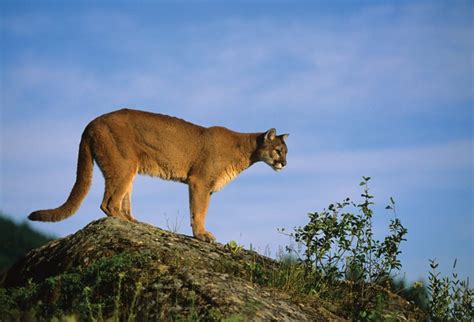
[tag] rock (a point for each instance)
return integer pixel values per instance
(171, 275)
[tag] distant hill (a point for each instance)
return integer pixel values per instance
(16, 240)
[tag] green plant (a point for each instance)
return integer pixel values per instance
(416, 293)
(451, 299)
(136, 294)
(233, 247)
(339, 246)
(92, 293)
(257, 273)
(173, 225)
(90, 311)
(116, 316)
(377, 312)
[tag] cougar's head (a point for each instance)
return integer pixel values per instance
(272, 149)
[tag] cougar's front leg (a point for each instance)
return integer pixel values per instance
(199, 197)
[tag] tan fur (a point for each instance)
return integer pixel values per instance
(128, 142)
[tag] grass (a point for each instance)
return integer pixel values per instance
(117, 288)
(90, 293)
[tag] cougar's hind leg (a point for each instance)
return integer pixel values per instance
(118, 163)
(116, 190)
(106, 205)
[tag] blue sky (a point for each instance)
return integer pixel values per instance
(381, 89)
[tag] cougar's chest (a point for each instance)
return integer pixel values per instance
(225, 177)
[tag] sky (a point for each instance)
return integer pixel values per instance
(364, 88)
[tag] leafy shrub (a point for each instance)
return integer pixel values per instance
(451, 299)
(339, 246)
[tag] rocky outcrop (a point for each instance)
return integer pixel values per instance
(171, 274)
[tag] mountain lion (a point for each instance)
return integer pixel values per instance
(126, 142)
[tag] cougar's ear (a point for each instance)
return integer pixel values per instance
(284, 136)
(270, 135)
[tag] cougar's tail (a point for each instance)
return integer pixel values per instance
(85, 165)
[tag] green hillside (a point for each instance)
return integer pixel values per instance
(16, 240)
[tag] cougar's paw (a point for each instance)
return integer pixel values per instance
(205, 236)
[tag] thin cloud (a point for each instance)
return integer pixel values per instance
(441, 157)
(404, 67)
(315, 75)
